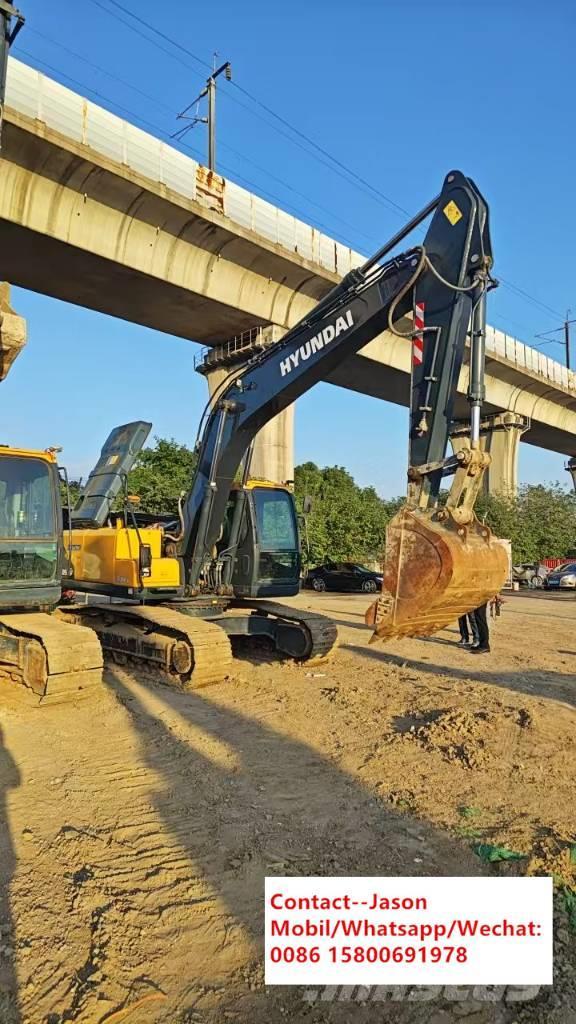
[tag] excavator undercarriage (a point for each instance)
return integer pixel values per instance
(187, 647)
(55, 660)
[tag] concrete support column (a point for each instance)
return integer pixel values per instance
(12, 331)
(273, 455)
(571, 467)
(500, 437)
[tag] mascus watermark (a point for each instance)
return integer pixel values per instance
(421, 993)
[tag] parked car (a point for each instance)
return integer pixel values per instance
(562, 578)
(529, 574)
(346, 576)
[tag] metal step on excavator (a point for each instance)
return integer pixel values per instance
(179, 592)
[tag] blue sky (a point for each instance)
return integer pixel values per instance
(398, 90)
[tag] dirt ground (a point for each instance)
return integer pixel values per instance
(136, 826)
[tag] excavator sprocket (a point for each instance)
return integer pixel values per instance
(185, 651)
(436, 569)
(56, 660)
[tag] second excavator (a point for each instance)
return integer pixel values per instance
(181, 592)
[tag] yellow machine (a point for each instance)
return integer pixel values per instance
(51, 657)
(134, 562)
(111, 556)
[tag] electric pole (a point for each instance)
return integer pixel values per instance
(567, 323)
(11, 22)
(210, 92)
(565, 330)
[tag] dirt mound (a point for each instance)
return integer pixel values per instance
(475, 739)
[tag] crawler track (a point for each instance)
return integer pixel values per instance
(187, 651)
(55, 659)
(320, 631)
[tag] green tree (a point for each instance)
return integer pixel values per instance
(540, 521)
(347, 522)
(74, 487)
(160, 474)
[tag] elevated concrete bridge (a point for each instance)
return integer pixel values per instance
(97, 212)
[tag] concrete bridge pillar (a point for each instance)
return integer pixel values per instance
(571, 467)
(499, 436)
(273, 455)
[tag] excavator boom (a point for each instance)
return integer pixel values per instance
(442, 284)
(236, 541)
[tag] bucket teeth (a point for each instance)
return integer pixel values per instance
(437, 568)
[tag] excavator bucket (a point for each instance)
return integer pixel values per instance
(436, 569)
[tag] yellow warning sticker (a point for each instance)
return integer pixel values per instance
(452, 212)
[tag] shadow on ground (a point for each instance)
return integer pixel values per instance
(543, 683)
(9, 779)
(276, 807)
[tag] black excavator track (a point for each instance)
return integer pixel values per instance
(319, 635)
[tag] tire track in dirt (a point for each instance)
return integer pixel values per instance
(143, 822)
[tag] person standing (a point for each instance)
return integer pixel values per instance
(468, 628)
(481, 619)
(464, 634)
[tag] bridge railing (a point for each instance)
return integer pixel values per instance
(528, 358)
(40, 98)
(33, 94)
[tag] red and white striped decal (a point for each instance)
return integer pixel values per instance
(418, 338)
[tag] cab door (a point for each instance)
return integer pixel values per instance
(268, 554)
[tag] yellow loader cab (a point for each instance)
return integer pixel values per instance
(31, 551)
(126, 560)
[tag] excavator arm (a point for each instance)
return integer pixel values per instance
(442, 283)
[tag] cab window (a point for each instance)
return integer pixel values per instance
(275, 520)
(26, 499)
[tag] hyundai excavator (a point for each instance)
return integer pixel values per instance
(181, 592)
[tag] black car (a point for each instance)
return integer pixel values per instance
(564, 577)
(343, 576)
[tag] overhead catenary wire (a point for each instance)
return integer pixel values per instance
(531, 298)
(164, 106)
(97, 67)
(317, 151)
(337, 165)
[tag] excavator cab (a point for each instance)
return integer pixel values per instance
(267, 559)
(31, 551)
